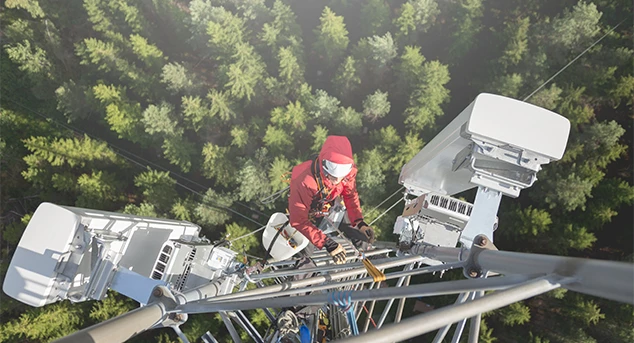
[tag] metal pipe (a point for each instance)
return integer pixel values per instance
(232, 330)
(607, 279)
(429, 289)
(440, 335)
(393, 262)
(120, 328)
(180, 334)
(389, 276)
(401, 303)
(327, 257)
(368, 318)
(361, 304)
(244, 322)
(474, 327)
(457, 334)
(388, 306)
(421, 324)
(293, 271)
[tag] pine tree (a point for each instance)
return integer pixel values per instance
(221, 105)
(376, 106)
(217, 164)
(292, 118)
(157, 188)
(347, 77)
(332, 37)
(210, 211)
(417, 16)
(376, 17)
(178, 79)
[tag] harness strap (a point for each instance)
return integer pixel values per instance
(376, 274)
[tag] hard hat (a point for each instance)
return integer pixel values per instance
(335, 169)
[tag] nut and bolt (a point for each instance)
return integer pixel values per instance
(473, 273)
(157, 292)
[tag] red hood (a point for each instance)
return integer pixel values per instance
(336, 149)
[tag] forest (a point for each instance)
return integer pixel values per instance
(197, 110)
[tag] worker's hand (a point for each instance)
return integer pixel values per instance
(336, 251)
(367, 230)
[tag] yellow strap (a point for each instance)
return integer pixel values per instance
(376, 274)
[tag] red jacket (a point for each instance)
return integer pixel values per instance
(304, 189)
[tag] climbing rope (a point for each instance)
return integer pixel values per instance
(343, 299)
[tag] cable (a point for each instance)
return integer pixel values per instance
(71, 128)
(248, 234)
(386, 211)
(388, 198)
(571, 62)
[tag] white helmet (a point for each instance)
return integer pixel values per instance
(335, 169)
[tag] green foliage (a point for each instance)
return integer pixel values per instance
(178, 151)
(221, 105)
(323, 107)
(291, 72)
(148, 53)
(240, 136)
(332, 37)
(277, 173)
(378, 52)
(410, 70)
(157, 188)
(624, 90)
(143, 209)
(113, 305)
(98, 190)
(425, 100)
(371, 175)
(157, 120)
(277, 140)
(123, 115)
(45, 323)
(292, 118)
(515, 314)
(211, 210)
(32, 60)
(467, 22)
(252, 178)
(195, 111)
(348, 122)
(31, 6)
(347, 77)
(225, 31)
(218, 164)
(376, 106)
(178, 79)
(586, 312)
(575, 27)
(247, 244)
(515, 36)
(73, 152)
(507, 85)
(416, 16)
(320, 134)
(376, 17)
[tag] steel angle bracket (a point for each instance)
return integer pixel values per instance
(162, 294)
(472, 269)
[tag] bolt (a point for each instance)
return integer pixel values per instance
(473, 273)
(157, 292)
(483, 241)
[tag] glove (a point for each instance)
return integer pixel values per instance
(336, 251)
(367, 230)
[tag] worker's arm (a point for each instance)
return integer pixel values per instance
(351, 198)
(299, 202)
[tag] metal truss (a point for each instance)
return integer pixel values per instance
(506, 277)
